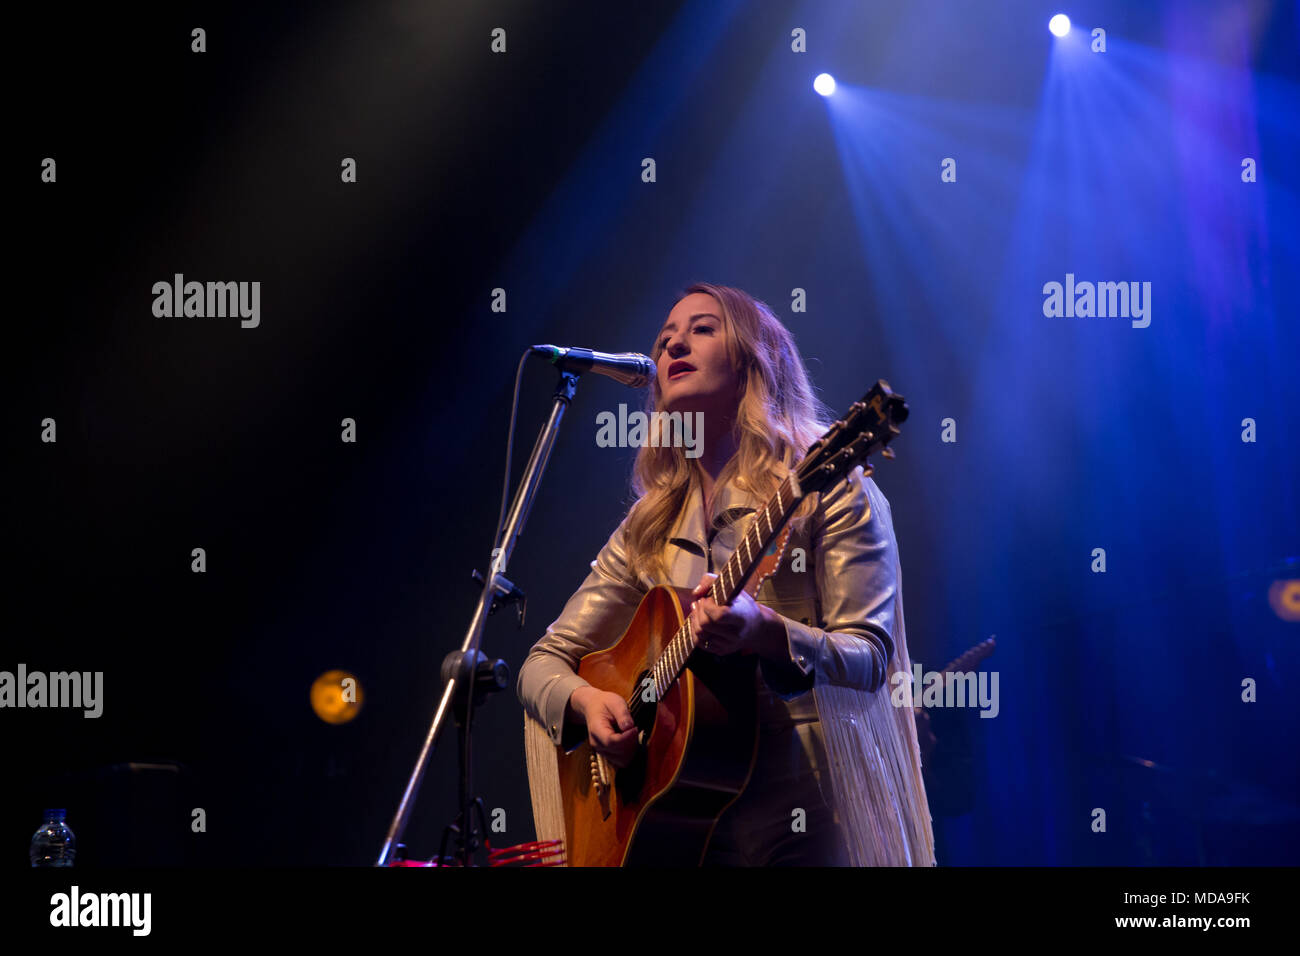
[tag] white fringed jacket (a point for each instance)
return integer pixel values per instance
(844, 622)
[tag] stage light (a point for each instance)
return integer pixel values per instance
(1284, 598)
(336, 697)
(824, 84)
(1059, 24)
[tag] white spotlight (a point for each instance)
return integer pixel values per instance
(824, 84)
(1059, 24)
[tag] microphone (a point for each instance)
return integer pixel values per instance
(631, 368)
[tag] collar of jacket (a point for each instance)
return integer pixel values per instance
(730, 504)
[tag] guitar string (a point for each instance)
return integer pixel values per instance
(671, 662)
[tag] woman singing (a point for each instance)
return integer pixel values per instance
(838, 777)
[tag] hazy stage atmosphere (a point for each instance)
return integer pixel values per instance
(280, 287)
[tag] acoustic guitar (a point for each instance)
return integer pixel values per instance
(696, 712)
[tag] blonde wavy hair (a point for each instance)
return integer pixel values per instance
(777, 417)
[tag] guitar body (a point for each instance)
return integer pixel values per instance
(698, 746)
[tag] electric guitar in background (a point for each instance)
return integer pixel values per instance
(964, 664)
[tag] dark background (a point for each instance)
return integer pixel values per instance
(522, 171)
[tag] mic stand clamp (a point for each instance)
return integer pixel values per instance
(507, 593)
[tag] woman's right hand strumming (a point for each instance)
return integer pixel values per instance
(610, 728)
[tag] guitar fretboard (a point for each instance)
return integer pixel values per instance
(763, 530)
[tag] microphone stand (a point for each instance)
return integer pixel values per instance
(497, 587)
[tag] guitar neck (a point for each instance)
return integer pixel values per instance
(971, 659)
(763, 530)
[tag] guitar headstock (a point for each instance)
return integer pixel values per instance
(870, 424)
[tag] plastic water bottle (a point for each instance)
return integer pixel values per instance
(53, 844)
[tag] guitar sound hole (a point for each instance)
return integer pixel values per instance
(644, 707)
(630, 779)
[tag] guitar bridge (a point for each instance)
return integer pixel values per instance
(601, 777)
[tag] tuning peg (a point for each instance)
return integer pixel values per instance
(868, 469)
(888, 453)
